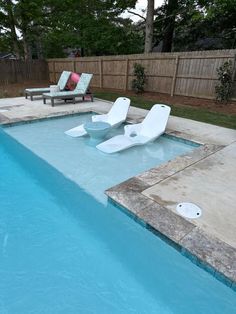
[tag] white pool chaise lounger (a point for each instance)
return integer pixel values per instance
(153, 125)
(115, 117)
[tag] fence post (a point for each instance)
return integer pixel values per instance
(74, 66)
(174, 76)
(126, 75)
(101, 73)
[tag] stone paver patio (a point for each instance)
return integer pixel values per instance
(205, 176)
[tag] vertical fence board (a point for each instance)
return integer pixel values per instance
(126, 74)
(101, 73)
(174, 76)
(18, 71)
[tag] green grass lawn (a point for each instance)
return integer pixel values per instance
(198, 114)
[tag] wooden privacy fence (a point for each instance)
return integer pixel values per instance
(185, 73)
(18, 71)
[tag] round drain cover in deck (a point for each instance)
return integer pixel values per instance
(189, 210)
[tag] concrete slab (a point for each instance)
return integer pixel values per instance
(201, 132)
(209, 183)
(21, 108)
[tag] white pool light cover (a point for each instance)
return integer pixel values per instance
(189, 210)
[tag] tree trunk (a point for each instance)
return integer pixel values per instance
(149, 26)
(27, 48)
(12, 24)
(39, 48)
(171, 12)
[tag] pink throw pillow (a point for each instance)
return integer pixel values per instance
(72, 82)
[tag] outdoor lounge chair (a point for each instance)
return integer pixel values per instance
(39, 91)
(142, 133)
(116, 116)
(79, 91)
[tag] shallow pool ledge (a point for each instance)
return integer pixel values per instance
(205, 250)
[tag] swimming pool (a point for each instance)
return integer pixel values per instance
(66, 250)
(80, 161)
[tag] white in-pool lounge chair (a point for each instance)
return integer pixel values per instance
(116, 116)
(150, 129)
(79, 91)
(39, 91)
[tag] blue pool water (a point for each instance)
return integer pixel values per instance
(79, 160)
(65, 251)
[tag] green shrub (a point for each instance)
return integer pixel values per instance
(224, 88)
(140, 78)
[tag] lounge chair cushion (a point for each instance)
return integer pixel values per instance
(38, 90)
(63, 79)
(64, 94)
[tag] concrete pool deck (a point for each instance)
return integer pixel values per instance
(205, 176)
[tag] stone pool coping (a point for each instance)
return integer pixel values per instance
(204, 249)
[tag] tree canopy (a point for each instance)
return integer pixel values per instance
(50, 28)
(182, 25)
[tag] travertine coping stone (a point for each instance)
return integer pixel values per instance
(7, 107)
(157, 174)
(212, 251)
(173, 226)
(26, 119)
(182, 135)
(3, 119)
(128, 194)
